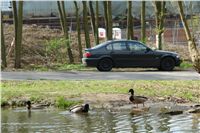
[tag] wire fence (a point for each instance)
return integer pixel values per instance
(173, 32)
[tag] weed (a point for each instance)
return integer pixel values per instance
(4, 102)
(186, 65)
(56, 49)
(61, 102)
(35, 98)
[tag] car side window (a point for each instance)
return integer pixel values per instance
(120, 46)
(136, 47)
(109, 47)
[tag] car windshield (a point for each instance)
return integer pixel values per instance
(99, 45)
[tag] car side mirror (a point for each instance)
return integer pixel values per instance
(148, 49)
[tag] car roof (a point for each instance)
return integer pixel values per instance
(109, 41)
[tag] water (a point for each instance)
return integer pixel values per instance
(96, 121)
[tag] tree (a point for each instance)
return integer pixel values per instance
(3, 48)
(159, 14)
(94, 20)
(18, 21)
(78, 31)
(63, 21)
(92, 16)
(129, 34)
(143, 27)
(109, 12)
(194, 53)
(85, 24)
(97, 23)
(106, 17)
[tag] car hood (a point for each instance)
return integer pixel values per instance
(165, 52)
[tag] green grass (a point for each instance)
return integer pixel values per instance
(186, 65)
(4, 102)
(61, 102)
(81, 67)
(59, 67)
(53, 90)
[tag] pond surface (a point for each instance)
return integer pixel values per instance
(96, 121)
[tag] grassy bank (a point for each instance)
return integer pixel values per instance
(185, 65)
(55, 91)
(60, 67)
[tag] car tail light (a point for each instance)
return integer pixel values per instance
(87, 54)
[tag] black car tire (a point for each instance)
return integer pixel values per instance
(105, 64)
(167, 64)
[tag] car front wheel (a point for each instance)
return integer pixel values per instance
(105, 64)
(167, 64)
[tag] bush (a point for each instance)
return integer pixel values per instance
(56, 49)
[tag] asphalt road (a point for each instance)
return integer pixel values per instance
(146, 75)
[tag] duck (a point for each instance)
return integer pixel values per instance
(29, 106)
(84, 108)
(137, 99)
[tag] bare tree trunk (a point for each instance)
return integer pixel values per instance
(143, 24)
(3, 48)
(109, 12)
(157, 16)
(92, 15)
(63, 17)
(129, 34)
(15, 21)
(131, 25)
(18, 21)
(69, 51)
(85, 23)
(160, 13)
(11, 48)
(78, 31)
(97, 23)
(106, 17)
(194, 53)
(19, 40)
(128, 21)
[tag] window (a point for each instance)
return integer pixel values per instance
(109, 47)
(99, 45)
(119, 46)
(136, 46)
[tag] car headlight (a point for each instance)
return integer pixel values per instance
(177, 56)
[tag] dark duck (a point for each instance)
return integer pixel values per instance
(80, 108)
(30, 106)
(137, 99)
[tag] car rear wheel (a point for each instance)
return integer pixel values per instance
(167, 64)
(105, 64)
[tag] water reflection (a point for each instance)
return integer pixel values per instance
(29, 113)
(22, 121)
(195, 121)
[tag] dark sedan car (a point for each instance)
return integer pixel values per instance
(128, 53)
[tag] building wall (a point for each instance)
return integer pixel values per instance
(49, 8)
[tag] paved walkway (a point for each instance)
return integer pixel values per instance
(149, 75)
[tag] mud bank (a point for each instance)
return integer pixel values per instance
(119, 103)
